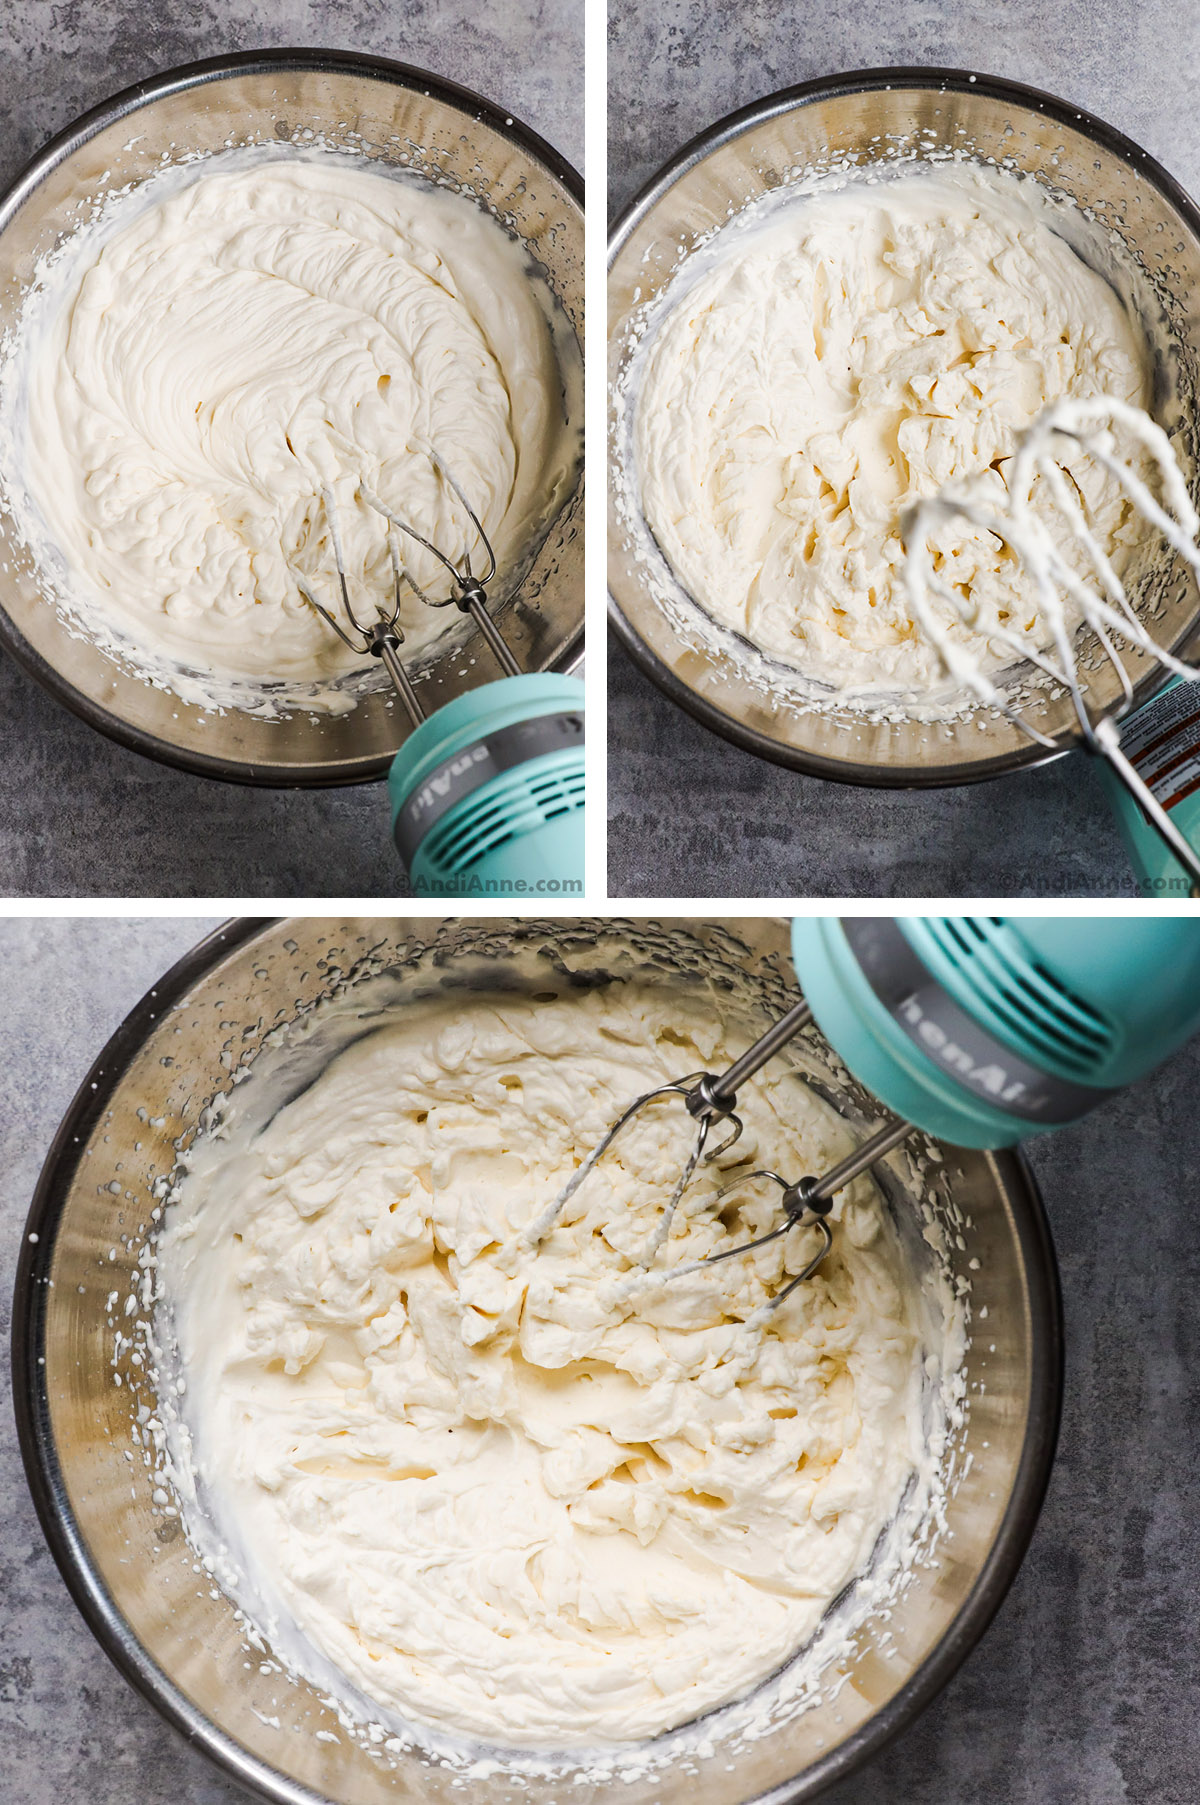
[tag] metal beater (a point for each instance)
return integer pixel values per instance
(383, 637)
(710, 1099)
(1102, 602)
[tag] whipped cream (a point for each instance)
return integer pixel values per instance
(511, 1493)
(850, 355)
(208, 358)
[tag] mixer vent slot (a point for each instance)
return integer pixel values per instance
(1038, 1010)
(525, 802)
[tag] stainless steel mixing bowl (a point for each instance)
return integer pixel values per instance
(178, 1641)
(399, 116)
(1133, 222)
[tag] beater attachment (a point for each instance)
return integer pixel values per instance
(468, 591)
(1102, 601)
(382, 637)
(710, 1099)
(810, 1200)
(689, 1089)
(799, 1201)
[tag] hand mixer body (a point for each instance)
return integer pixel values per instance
(982, 1030)
(487, 794)
(1163, 742)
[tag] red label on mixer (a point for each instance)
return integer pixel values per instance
(1162, 742)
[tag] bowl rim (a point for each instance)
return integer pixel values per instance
(63, 1534)
(715, 137)
(123, 104)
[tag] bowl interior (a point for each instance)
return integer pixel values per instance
(395, 117)
(1130, 222)
(80, 1390)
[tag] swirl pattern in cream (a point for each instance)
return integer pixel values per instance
(223, 351)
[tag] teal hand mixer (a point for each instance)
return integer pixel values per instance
(978, 1030)
(487, 793)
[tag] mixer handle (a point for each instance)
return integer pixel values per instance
(1105, 740)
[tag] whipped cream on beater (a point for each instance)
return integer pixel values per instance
(210, 356)
(1045, 542)
(850, 354)
(504, 1491)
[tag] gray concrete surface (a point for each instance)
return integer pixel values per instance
(78, 815)
(1085, 1691)
(771, 833)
